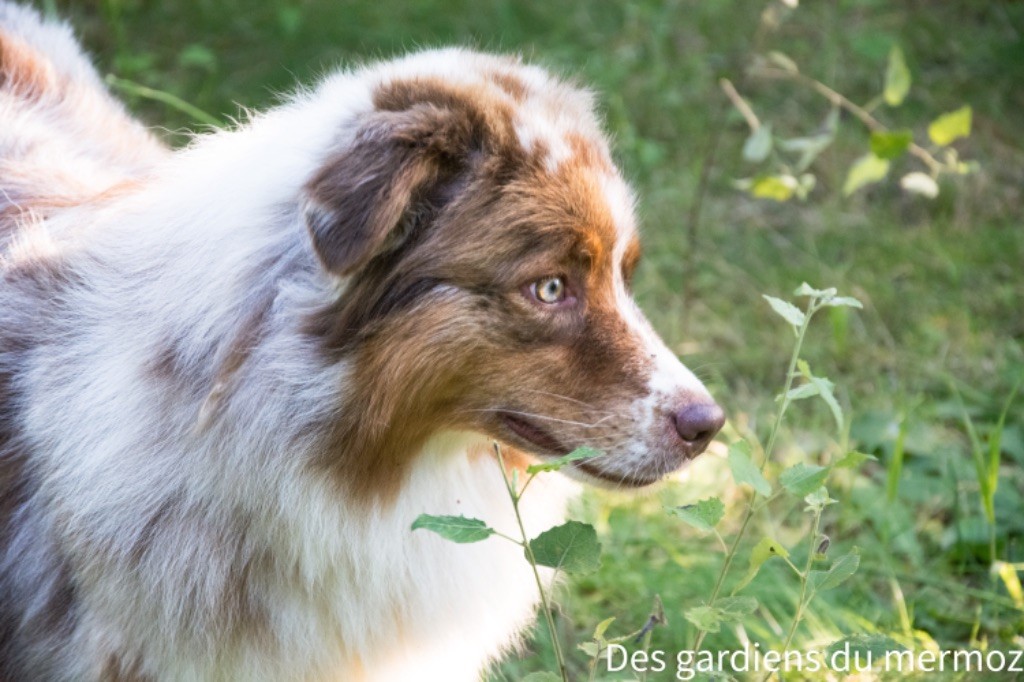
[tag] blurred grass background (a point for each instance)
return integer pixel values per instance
(942, 280)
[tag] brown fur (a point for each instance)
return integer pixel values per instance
(23, 72)
(438, 309)
(511, 84)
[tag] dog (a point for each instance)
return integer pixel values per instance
(232, 375)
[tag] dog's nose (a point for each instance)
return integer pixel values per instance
(697, 424)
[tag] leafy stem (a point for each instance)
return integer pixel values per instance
(571, 547)
(803, 600)
(748, 514)
(516, 496)
(839, 100)
(818, 300)
(791, 374)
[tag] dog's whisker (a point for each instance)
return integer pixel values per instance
(544, 417)
(566, 398)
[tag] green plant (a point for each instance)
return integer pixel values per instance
(599, 645)
(571, 547)
(800, 480)
(791, 158)
(986, 469)
(784, 163)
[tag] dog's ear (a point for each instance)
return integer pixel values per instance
(393, 169)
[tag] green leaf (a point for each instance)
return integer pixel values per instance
(602, 627)
(802, 479)
(920, 183)
(827, 297)
(825, 390)
(744, 470)
(897, 78)
(706, 618)
(802, 392)
(853, 459)
(704, 515)
(810, 147)
(789, 312)
(995, 439)
(762, 552)
(556, 464)
(866, 170)
(806, 289)
(735, 609)
(775, 187)
(892, 144)
(818, 500)
(841, 570)
(951, 126)
(571, 547)
(843, 302)
(876, 645)
(765, 550)
(455, 528)
(759, 145)
(543, 676)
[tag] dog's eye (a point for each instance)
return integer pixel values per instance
(549, 290)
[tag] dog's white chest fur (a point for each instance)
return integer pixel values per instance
(410, 604)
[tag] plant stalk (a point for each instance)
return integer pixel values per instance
(839, 100)
(801, 603)
(164, 97)
(812, 308)
(545, 603)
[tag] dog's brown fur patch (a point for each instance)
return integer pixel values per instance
(23, 71)
(486, 217)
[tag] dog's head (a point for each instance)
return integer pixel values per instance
(484, 243)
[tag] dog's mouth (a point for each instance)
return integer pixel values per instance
(526, 430)
(545, 444)
(622, 481)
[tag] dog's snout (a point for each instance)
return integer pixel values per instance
(697, 424)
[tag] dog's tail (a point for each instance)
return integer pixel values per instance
(63, 138)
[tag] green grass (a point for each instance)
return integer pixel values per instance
(941, 281)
